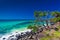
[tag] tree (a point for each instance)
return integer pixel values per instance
(46, 14)
(35, 29)
(39, 16)
(30, 27)
(36, 15)
(56, 15)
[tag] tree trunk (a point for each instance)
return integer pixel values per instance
(46, 22)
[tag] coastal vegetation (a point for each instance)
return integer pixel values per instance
(52, 27)
(33, 28)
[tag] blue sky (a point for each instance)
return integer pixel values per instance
(24, 9)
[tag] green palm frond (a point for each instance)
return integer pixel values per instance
(36, 14)
(45, 13)
(54, 19)
(55, 13)
(40, 13)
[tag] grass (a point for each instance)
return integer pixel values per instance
(46, 38)
(56, 34)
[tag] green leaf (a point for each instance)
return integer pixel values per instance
(30, 27)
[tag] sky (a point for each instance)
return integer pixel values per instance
(24, 9)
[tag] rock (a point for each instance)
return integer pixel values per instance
(13, 39)
(18, 36)
(4, 38)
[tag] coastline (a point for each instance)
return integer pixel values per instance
(15, 32)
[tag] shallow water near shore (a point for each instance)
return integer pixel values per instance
(7, 26)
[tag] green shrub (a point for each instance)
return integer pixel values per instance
(29, 27)
(56, 34)
(35, 29)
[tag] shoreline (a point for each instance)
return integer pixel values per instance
(6, 36)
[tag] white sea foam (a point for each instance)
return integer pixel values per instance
(14, 33)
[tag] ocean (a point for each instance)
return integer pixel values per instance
(7, 26)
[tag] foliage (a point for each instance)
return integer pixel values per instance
(58, 19)
(56, 14)
(56, 34)
(39, 15)
(30, 27)
(45, 13)
(36, 14)
(54, 20)
(34, 28)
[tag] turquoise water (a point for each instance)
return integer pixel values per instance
(6, 26)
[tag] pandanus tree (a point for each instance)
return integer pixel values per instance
(47, 17)
(45, 14)
(36, 15)
(56, 15)
(39, 16)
